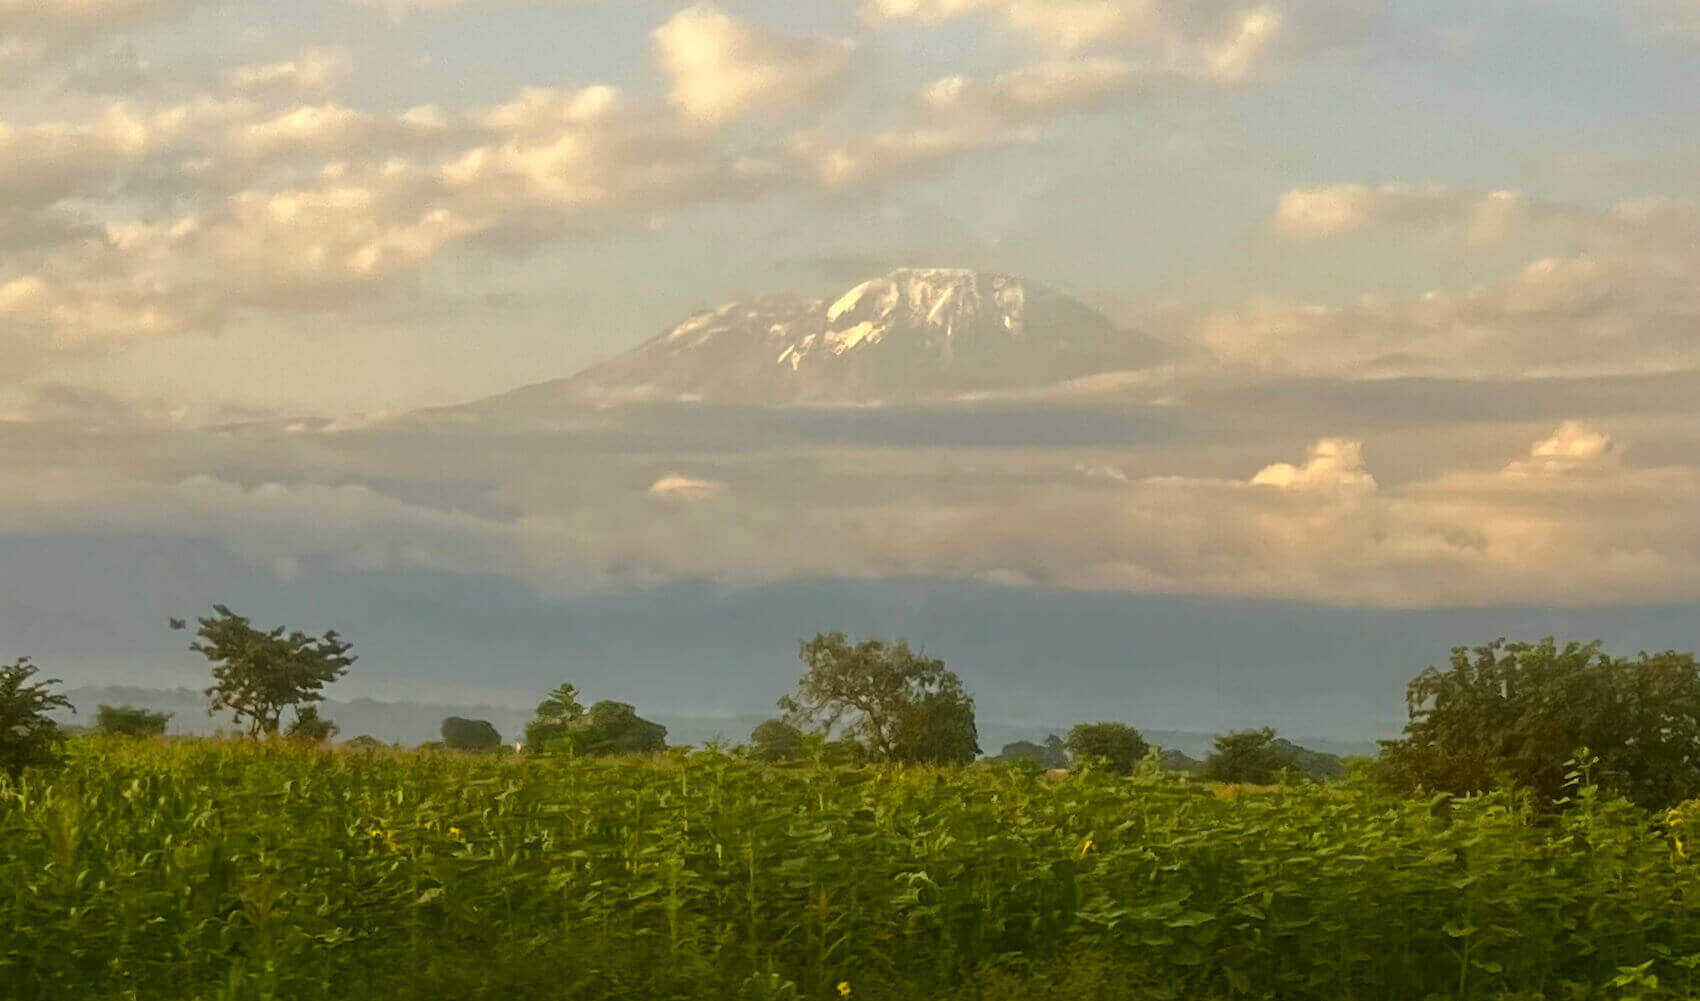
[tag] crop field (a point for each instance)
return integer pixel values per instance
(199, 870)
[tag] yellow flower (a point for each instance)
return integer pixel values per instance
(454, 832)
(1681, 849)
(1085, 846)
(844, 988)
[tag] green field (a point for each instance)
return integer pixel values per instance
(188, 870)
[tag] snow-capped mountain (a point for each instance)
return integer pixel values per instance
(912, 335)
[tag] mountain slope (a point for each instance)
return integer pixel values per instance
(912, 335)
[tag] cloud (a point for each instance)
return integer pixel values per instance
(314, 71)
(1333, 210)
(723, 69)
(1148, 49)
(686, 487)
(1333, 463)
(317, 205)
(1221, 38)
(1624, 297)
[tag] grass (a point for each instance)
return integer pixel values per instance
(200, 870)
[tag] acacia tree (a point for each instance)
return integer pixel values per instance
(28, 736)
(898, 704)
(258, 674)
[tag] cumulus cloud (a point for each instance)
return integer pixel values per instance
(1332, 463)
(1099, 54)
(723, 69)
(318, 204)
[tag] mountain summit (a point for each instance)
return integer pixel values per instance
(912, 335)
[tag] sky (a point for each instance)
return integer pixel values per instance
(1428, 274)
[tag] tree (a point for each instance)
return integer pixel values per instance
(1253, 757)
(257, 675)
(308, 727)
(1117, 745)
(615, 728)
(1519, 711)
(1050, 754)
(130, 721)
(885, 697)
(938, 730)
(364, 742)
(558, 710)
(28, 736)
(775, 740)
(469, 734)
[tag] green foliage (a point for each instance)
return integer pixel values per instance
(364, 742)
(1515, 711)
(1118, 746)
(938, 729)
(258, 674)
(1179, 761)
(1318, 765)
(558, 710)
(245, 870)
(1255, 757)
(309, 728)
(1051, 754)
(615, 728)
(775, 740)
(896, 703)
(28, 736)
(130, 721)
(470, 734)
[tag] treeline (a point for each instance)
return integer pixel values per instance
(1506, 714)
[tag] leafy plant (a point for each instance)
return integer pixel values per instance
(28, 735)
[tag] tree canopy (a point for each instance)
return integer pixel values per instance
(1520, 711)
(898, 704)
(258, 674)
(775, 740)
(558, 710)
(29, 737)
(616, 728)
(470, 734)
(1117, 745)
(1255, 757)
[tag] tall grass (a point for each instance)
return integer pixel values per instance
(189, 870)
